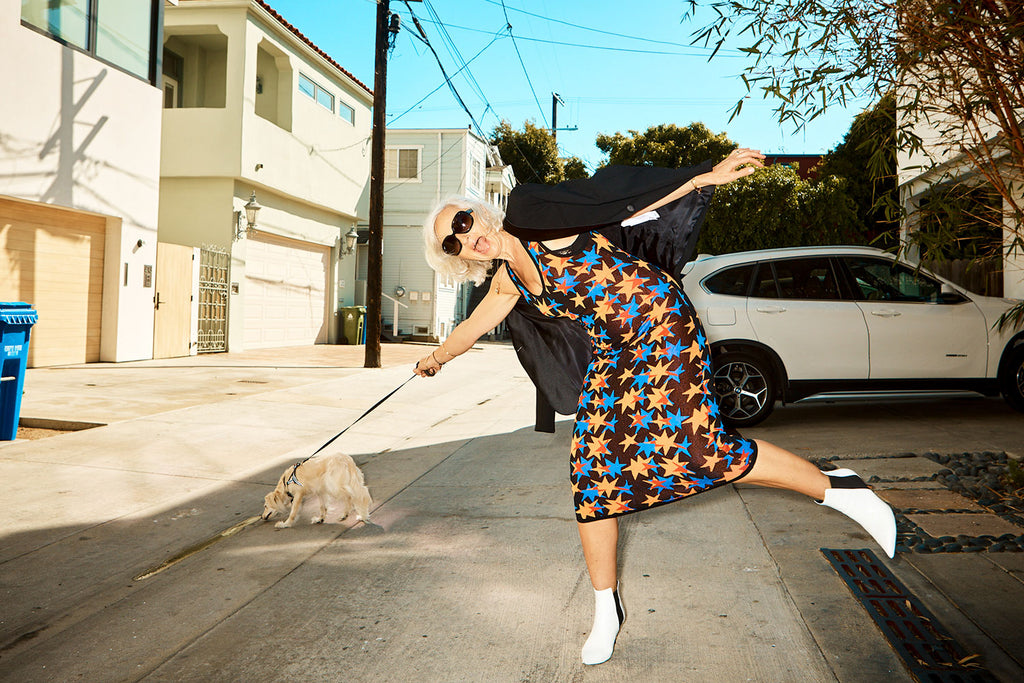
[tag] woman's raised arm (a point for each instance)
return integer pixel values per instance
(740, 162)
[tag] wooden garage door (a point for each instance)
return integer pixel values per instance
(285, 292)
(52, 258)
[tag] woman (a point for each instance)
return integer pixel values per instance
(648, 430)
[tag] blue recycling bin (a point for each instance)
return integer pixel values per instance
(16, 321)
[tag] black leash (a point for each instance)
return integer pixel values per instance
(371, 410)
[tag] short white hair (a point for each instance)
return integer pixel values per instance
(460, 269)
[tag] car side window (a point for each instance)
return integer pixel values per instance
(764, 286)
(884, 280)
(806, 278)
(731, 281)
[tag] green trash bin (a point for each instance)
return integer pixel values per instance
(352, 320)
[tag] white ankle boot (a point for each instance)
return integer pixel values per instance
(850, 495)
(608, 617)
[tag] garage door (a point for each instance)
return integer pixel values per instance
(285, 292)
(53, 259)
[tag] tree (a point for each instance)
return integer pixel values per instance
(574, 168)
(666, 145)
(776, 208)
(955, 67)
(873, 190)
(532, 152)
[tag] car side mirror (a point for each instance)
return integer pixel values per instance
(949, 295)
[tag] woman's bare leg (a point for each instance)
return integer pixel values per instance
(841, 490)
(599, 539)
(778, 468)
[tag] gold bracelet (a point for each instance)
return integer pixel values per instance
(447, 352)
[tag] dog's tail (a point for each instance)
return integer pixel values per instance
(344, 475)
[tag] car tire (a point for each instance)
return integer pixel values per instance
(1011, 379)
(744, 386)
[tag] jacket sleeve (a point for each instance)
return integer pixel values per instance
(613, 194)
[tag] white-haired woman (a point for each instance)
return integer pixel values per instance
(648, 429)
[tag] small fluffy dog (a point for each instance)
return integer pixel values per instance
(331, 478)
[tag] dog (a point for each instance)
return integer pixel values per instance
(331, 478)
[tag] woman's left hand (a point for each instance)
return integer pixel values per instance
(741, 162)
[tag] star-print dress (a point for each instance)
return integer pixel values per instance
(648, 430)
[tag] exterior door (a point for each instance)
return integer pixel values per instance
(913, 331)
(795, 307)
(172, 320)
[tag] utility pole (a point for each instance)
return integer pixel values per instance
(386, 24)
(375, 247)
(556, 100)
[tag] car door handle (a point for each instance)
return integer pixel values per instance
(771, 309)
(886, 313)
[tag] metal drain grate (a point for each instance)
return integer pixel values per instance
(915, 634)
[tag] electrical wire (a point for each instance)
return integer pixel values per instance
(695, 52)
(448, 80)
(601, 31)
(508, 26)
(464, 67)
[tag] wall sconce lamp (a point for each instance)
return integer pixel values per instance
(351, 237)
(251, 208)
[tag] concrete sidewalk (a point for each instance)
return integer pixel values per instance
(472, 570)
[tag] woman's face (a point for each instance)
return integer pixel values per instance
(479, 244)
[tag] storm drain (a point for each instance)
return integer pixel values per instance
(915, 634)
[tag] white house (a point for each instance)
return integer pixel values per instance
(940, 162)
(79, 173)
(423, 166)
(253, 108)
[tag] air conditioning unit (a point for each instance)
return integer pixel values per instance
(421, 329)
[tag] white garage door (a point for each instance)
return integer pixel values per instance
(285, 292)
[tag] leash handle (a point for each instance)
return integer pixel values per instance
(370, 410)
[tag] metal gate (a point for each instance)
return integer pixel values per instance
(213, 300)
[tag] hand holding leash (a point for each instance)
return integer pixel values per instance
(427, 366)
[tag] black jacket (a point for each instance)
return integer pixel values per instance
(555, 352)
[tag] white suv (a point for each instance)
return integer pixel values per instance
(790, 323)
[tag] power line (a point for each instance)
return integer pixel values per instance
(508, 27)
(448, 80)
(695, 52)
(464, 67)
(607, 33)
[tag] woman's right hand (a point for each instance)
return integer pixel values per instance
(427, 366)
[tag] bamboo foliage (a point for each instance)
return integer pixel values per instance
(957, 69)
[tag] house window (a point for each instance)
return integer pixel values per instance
(119, 32)
(476, 180)
(346, 112)
(402, 163)
(310, 87)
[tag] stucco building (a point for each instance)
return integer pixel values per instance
(79, 174)
(253, 106)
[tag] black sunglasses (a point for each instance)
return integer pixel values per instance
(461, 224)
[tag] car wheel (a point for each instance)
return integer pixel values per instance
(1011, 380)
(745, 389)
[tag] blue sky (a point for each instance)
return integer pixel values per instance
(646, 75)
